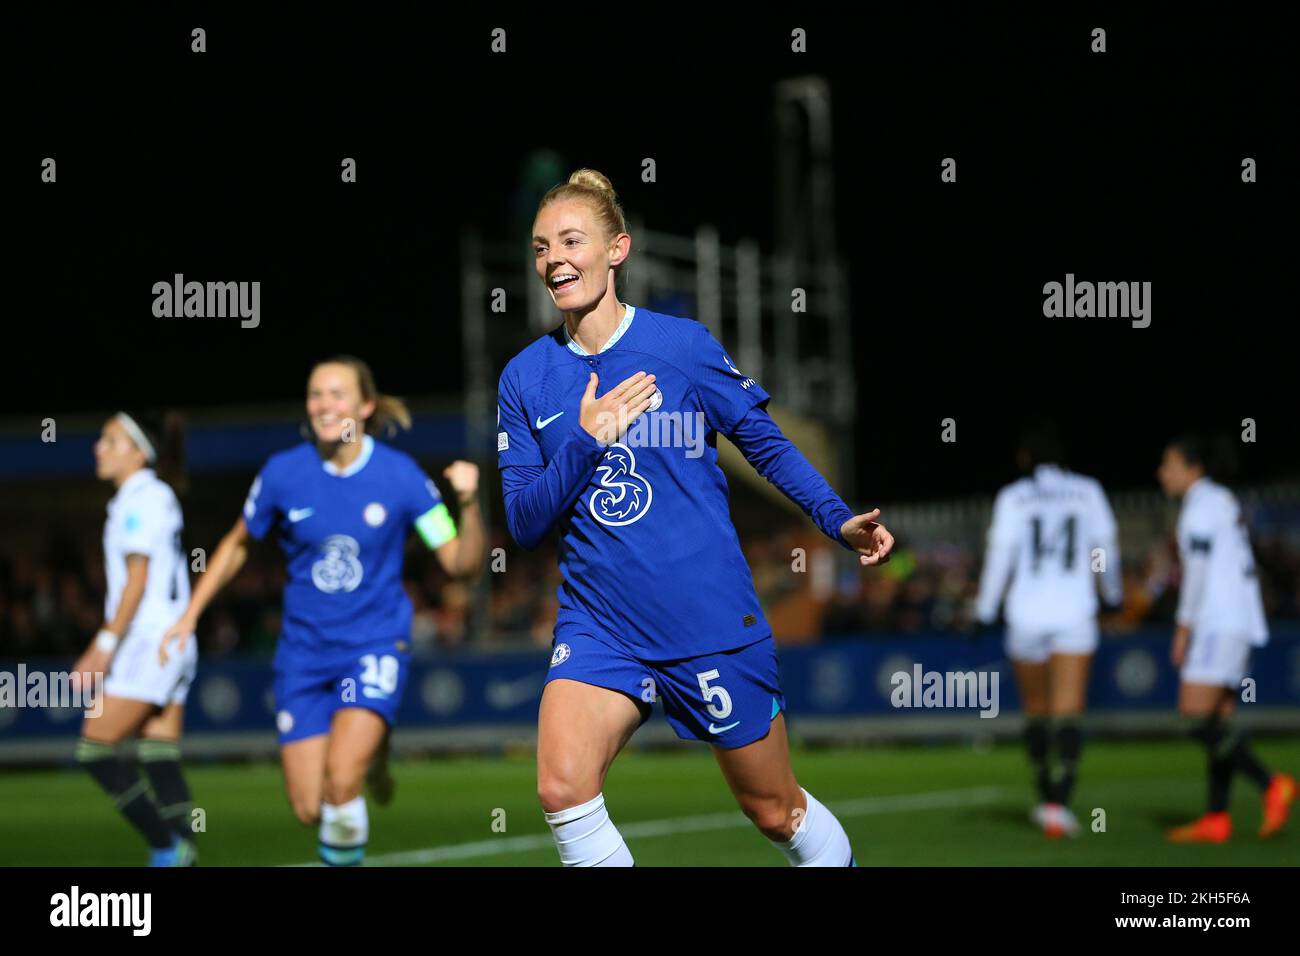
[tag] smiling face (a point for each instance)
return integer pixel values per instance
(116, 455)
(1175, 474)
(574, 257)
(334, 399)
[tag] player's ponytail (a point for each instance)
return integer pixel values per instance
(595, 189)
(390, 412)
(161, 436)
(390, 415)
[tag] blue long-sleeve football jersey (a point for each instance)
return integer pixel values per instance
(648, 551)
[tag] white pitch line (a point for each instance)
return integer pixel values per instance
(731, 819)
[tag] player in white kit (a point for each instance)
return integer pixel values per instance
(1053, 534)
(1220, 618)
(148, 585)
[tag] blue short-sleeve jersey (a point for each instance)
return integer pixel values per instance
(343, 534)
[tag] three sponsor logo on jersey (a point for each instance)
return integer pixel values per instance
(624, 495)
(339, 567)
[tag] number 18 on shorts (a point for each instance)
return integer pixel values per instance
(308, 695)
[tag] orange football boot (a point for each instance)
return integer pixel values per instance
(1211, 828)
(1279, 796)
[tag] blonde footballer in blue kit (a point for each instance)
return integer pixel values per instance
(148, 583)
(657, 599)
(342, 508)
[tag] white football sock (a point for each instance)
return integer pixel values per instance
(344, 831)
(585, 836)
(820, 841)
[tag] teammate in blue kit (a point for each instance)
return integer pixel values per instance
(657, 599)
(342, 508)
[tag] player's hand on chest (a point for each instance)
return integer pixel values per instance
(554, 409)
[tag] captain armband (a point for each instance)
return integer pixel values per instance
(435, 526)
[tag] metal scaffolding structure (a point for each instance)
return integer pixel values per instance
(815, 348)
(802, 358)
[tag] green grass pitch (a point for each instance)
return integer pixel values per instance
(901, 805)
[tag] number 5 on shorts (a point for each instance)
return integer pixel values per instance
(723, 708)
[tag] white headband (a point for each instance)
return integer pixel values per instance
(137, 436)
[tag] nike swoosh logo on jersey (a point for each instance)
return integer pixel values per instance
(540, 423)
(297, 514)
(718, 730)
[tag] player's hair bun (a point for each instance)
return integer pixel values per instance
(591, 179)
(594, 189)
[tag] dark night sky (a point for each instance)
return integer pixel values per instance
(1116, 167)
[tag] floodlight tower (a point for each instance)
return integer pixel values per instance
(814, 349)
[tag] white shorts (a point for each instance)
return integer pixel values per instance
(136, 672)
(1035, 646)
(1216, 659)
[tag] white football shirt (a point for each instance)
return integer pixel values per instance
(1220, 591)
(144, 518)
(1043, 536)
